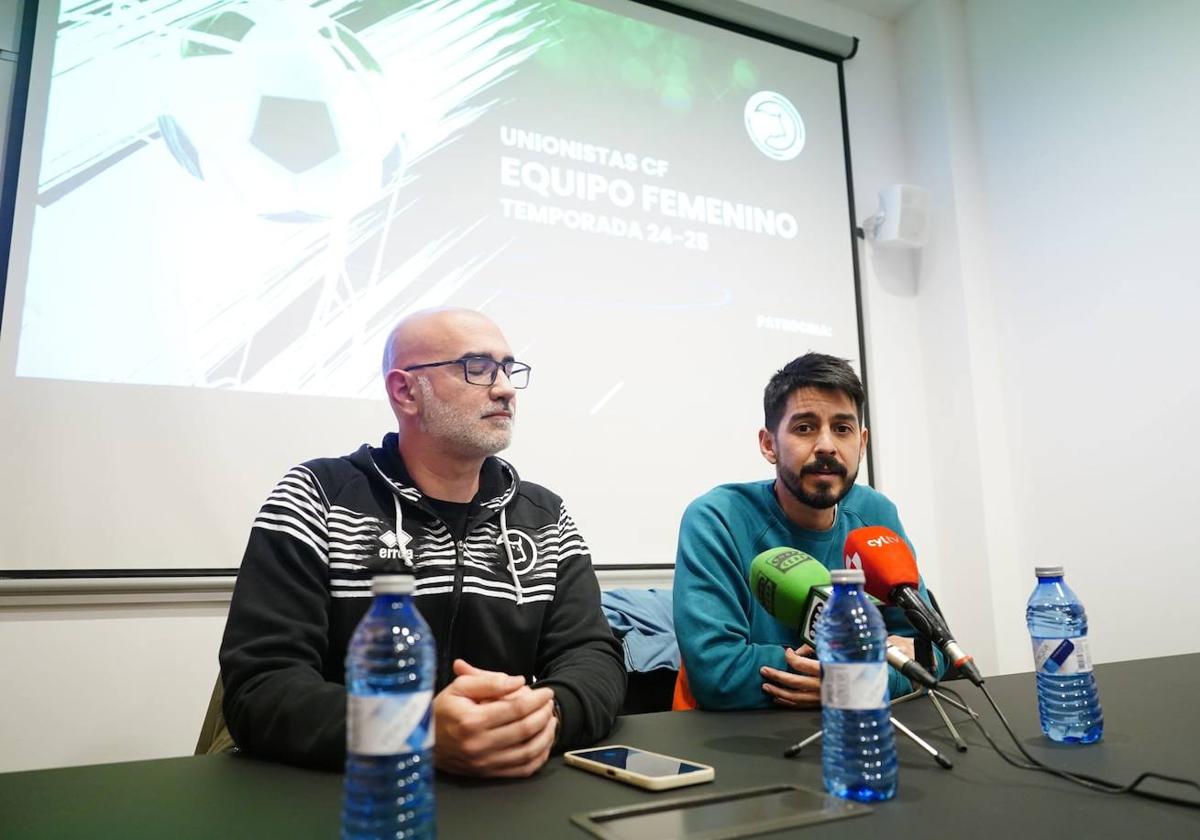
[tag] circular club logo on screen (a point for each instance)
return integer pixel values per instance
(774, 125)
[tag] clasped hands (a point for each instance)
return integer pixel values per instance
(800, 686)
(488, 723)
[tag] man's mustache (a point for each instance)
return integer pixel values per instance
(824, 466)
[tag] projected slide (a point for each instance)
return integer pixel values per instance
(224, 206)
(247, 194)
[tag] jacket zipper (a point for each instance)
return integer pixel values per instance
(455, 597)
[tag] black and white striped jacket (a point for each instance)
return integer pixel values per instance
(517, 595)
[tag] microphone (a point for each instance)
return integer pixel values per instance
(787, 583)
(794, 588)
(891, 576)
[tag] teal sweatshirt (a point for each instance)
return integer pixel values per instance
(724, 635)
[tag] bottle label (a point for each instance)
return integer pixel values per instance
(388, 724)
(860, 686)
(1062, 656)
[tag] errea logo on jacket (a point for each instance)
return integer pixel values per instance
(394, 548)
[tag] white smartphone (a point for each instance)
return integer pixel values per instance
(649, 770)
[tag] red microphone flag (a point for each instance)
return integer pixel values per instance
(884, 558)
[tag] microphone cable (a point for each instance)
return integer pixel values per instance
(1090, 782)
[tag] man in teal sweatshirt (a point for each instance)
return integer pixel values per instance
(736, 655)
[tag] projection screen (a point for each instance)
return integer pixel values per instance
(224, 205)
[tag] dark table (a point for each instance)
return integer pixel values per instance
(1150, 711)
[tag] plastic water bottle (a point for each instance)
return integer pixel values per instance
(1068, 702)
(858, 748)
(390, 668)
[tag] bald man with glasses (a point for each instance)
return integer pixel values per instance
(526, 661)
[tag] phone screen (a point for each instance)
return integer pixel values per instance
(639, 761)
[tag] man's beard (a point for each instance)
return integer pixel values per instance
(824, 498)
(465, 435)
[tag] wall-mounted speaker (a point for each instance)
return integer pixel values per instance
(902, 220)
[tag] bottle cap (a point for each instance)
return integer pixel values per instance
(847, 576)
(392, 585)
(1048, 571)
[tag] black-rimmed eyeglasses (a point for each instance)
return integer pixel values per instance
(482, 370)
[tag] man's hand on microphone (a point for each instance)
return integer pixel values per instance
(488, 723)
(799, 688)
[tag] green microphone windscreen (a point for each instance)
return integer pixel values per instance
(781, 580)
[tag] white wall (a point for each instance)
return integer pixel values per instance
(964, 418)
(1054, 308)
(103, 683)
(1087, 121)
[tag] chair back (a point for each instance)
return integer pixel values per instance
(214, 734)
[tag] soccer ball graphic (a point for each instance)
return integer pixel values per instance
(283, 111)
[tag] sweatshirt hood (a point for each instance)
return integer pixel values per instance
(498, 483)
(498, 479)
